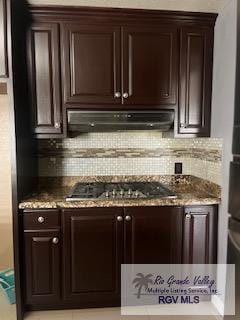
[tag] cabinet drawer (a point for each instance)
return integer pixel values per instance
(41, 219)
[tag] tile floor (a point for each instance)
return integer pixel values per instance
(103, 314)
(7, 311)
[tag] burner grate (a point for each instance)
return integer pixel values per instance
(133, 190)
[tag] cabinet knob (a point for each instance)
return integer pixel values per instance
(55, 240)
(119, 218)
(183, 125)
(41, 219)
(188, 216)
(125, 95)
(57, 125)
(128, 218)
(117, 94)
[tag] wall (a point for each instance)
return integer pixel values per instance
(223, 106)
(130, 153)
(6, 246)
(184, 5)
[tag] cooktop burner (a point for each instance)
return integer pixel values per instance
(131, 190)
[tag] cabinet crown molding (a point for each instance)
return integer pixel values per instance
(67, 13)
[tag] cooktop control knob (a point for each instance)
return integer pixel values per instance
(121, 192)
(114, 193)
(107, 194)
(136, 193)
(130, 192)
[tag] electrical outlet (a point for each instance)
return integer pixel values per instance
(178, 167)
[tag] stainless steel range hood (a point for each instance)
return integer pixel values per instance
(106, 121)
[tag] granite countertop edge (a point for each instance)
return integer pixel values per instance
(116, 203)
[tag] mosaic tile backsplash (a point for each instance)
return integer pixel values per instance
(130, 153)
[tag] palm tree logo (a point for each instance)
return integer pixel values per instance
(142, 281)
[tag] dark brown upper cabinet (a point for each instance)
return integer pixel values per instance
(120, 59)
(91, 64)
(195, 83)
(150, 56)
(3, 40)
(95, 74)
(44, 78)
(200, 235)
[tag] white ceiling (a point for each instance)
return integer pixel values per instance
(184, 5)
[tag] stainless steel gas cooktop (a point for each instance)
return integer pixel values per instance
(131, 190)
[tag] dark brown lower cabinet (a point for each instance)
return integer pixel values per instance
(153, 235)
(92, 251)
(79, 265)
(94, 248)
(42, 267)
(200, 235)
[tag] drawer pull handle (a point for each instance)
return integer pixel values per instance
(119, 218)
(41, 219)
(188, 216)
(55, 240)
(128, 218)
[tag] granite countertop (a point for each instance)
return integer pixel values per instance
(51, 192)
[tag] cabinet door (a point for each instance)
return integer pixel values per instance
(200, 235)
(91, 63)
(93, 256)
(150, 65)
(44, 77)
(3, 39)
(42, 267)
(153, 235)
(196, 57)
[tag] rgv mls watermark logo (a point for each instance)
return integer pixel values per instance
(142, 282)
(171, 289)
(187, 287)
